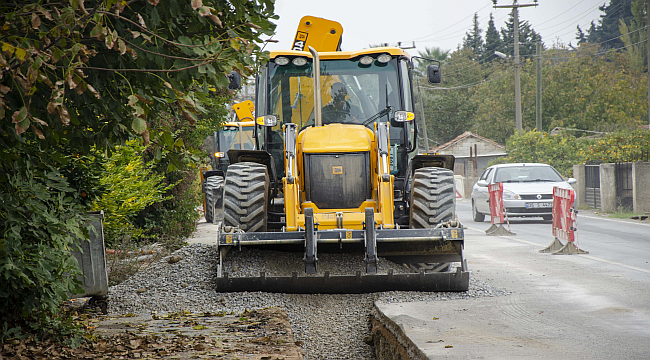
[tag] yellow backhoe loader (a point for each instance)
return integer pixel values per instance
(335, 167)
(236, 134)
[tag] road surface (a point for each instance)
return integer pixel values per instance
(594, 306)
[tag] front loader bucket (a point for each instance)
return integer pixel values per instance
(399, 246)
(347, 284)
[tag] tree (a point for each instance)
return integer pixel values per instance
(633, 36)
(580, 35)
(84, 76)
(473, 39)
(527, 37)
(493, 42)
(607, 30)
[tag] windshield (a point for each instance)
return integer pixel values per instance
(229, 138)
(526, 174)
(351, 93)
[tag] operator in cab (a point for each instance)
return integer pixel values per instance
(341, 110)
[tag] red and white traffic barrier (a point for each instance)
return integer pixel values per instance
(497, 211)
(565, 223)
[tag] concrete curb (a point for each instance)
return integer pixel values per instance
(390, 340)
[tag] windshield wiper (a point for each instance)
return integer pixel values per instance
(378, 115)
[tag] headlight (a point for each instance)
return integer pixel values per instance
(281, 60)
(366, 60)
(299, 61)
(509, 195)
(384, 58)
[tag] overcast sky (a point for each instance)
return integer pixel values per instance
(430, 22)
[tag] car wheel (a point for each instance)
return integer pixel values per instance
(547, 217)
(477, 216)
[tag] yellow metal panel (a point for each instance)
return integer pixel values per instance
(336, 138)
(319, 33)
(329, 55)
(244, 110)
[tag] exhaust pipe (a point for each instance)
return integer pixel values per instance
(318, 104)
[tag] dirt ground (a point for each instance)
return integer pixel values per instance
(253, 335)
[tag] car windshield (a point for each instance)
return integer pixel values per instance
(526, 174)
(351, 92)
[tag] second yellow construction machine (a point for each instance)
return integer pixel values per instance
(336, 166)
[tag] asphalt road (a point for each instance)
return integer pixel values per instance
(594, 306)
(619, 243)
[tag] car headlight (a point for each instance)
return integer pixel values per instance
(509, 195)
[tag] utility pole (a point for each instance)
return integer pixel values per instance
(647, 23)
(538, 108)
(515, 12)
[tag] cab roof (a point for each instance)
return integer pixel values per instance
(329, 55)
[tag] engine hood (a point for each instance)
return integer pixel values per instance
(336, 138)
(535, 187)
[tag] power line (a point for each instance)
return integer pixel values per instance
(454, 34)
(593, 55)
(460, 21)
(501, 74)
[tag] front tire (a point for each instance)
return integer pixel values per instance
(477, 216)
(212, 190)
(245, 196)
(433, 198)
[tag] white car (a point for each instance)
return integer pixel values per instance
(527, 190)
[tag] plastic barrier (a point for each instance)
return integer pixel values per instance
(497, 211)
(564, 223)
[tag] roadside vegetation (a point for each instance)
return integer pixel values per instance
(596, 84)
(104, 104)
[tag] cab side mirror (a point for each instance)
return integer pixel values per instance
(433, 74)
(235, 80)
(482, 183)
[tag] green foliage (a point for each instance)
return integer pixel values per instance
(84, 76)
(564, 151)
(131, 186)
(617, 147)
(42, 217)
(493, 42)
(538, 147)
(607, 29)
(633, 36)
(473, 38)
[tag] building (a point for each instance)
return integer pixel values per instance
(465, 147)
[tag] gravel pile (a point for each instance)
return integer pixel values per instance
(329, 326)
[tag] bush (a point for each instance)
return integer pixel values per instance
(564, 151)
(617, 147)
(131, 186)
(533, 146)
(42, 217)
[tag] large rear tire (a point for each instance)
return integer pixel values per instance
(212, 191)
(433, 198)
(245, 196)
(433, 201)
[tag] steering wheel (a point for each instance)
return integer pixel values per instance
(333, 115)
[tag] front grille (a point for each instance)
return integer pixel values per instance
(337, 181)
(534, 197)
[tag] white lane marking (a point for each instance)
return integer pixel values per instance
(582, 256)
(615, 220)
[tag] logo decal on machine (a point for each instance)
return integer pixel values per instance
(337, 170)
(299, 41)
